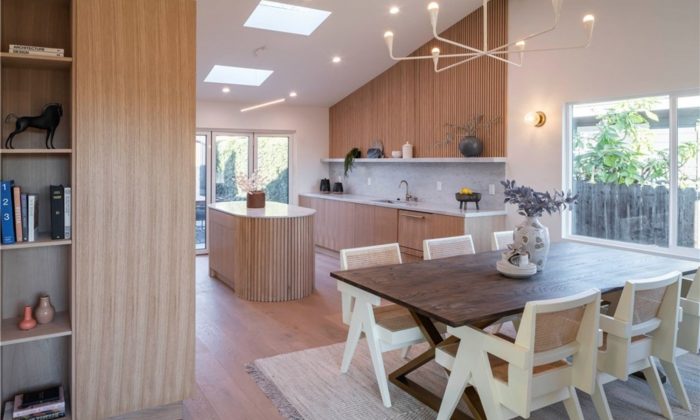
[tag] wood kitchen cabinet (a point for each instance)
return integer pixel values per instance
(414, 227)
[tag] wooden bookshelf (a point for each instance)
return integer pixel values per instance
(26, 61)
(43, 356)
(8, 415)
(11, 334)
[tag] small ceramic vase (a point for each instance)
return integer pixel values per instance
(44, 311)
(27, 323)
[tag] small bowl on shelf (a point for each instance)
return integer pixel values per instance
(396, 154)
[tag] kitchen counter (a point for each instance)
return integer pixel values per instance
(271, 210)
(420, 206)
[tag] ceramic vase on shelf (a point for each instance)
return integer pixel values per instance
(533, 237)
(256, 200)
(44, 311)
(27, 322)
(471, 146)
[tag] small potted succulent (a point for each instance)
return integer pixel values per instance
(531, 235)
(253, 187)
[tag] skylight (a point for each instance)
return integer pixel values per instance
(237, 75)
(288, 18)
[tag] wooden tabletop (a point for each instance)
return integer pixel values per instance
(467, 290)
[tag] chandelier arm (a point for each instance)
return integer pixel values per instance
(520, 64)
(573, 47)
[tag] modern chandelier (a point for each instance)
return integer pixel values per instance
(498, 53)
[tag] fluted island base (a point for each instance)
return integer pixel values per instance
(264, 255)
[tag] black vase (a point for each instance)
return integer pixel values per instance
(471, 146)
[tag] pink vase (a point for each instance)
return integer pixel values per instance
(44, 311)
(28, 322)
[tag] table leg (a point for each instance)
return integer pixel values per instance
(400, 376)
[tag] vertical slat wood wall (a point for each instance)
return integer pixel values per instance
(410, 102)
(134, 201)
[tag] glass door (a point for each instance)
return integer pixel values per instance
(201, 191)
(272, 163)
(231, 156)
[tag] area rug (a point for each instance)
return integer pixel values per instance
(308, 385)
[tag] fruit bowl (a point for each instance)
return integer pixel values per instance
(468, 198)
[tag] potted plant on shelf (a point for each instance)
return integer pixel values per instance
(531, 235)
(253, 187)
(470, 145)
(353, 154)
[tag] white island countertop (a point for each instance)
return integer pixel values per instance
(421, 206)
(272, 210)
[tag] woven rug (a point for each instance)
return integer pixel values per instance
(308, 385)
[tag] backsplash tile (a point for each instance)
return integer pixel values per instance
(422, 180)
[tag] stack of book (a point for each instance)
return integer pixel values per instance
(32, 50)
(20, 213)
(46, 404)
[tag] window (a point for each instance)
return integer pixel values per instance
(635, 166)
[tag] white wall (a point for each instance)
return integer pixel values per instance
(639, 47)
(309, 124)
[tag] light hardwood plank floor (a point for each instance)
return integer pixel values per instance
(232, 333)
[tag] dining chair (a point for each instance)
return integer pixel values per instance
(644, 327)
(689, 326)
(501, 240)
(448, 247)
(386, 327)
(554, 352)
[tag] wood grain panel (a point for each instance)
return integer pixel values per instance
(37, 22)
(265, 259)
(482, 229)
(410, 102)
(374, 225)
(134, 193)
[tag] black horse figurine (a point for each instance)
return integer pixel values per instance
(48, 120)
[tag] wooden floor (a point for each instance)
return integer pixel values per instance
(232, 333)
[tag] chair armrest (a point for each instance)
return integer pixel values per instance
(510, 352)
(690, 307)
(615, 327)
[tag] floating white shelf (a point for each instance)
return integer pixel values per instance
(11, 334)
(43, 240)
(423, 160)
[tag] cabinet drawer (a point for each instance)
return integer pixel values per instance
(413, 228)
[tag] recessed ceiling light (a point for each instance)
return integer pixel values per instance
(336, 59)
(394, 10)
(237, 75)
(282, 17)
(292, 94)
(226, 89)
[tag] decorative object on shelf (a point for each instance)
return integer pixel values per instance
(253, 187)
(536, 118)
(48, 120)
(396, 154)
(466, 195)
(469, 144)
(27, 322)
(325, 186)
(499, 53)
(353, 154)
(44, 311)
(407, 150)
(531, 235)
(515, 263)
(376, 151)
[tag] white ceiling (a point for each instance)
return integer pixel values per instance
(353, 31)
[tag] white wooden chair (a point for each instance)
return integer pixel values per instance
(501, 240)
(448, 247)
(644, 327)
(689, 327)
(554, 352)
(387, 327)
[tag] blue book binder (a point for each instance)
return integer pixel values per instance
(6, 210)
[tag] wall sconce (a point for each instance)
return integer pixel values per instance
(536, 118)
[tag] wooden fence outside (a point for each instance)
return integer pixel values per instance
(638, 214)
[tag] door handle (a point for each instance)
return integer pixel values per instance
(413, 216)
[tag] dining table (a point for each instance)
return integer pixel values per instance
(467, 290)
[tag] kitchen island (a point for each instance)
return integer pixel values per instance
(264, 255)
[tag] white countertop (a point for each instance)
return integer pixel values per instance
(272, 210)
(421, 206)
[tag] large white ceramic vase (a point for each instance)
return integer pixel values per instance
(533, 236)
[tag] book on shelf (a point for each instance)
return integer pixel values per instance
(32, 217)
(6, 211)
(17, 210)
(67, 193)
(40, 405)
(34, 50)
(25, 218)
(57, 210)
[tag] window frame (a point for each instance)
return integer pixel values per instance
(567, 176)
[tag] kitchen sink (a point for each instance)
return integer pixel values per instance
(396, 201)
